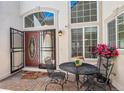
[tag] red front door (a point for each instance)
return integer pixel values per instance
(31, 49)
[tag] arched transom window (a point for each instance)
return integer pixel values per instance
(39, 19)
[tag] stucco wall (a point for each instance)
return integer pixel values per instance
(107, 9)
(9, 17)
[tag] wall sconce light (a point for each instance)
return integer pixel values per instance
(60, 33)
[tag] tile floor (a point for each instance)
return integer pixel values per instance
(15, 83)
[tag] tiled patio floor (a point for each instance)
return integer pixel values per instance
(17, 84)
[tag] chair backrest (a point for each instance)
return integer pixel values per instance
(49, 65)
(105, 67)
(109, 69)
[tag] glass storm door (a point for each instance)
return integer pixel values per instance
(16, 49)
(47, 47)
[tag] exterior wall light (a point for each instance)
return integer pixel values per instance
(60, 33)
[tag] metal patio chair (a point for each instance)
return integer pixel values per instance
(102, 78)
(56, 76)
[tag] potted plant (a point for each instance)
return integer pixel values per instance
(108, 52)
(78, 60)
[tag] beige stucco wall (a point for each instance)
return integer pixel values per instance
(9, 17)
(109, 11)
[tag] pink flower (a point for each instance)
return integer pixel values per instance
(106, 51)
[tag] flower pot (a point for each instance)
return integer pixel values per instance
(77, 62)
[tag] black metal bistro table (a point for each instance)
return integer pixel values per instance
(84, 69)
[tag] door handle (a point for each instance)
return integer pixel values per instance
(11, 50)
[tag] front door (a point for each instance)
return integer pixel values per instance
(32, 49)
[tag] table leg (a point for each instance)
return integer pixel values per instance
(77, 80)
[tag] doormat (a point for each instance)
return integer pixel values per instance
(33, 74)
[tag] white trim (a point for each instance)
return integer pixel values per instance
(98, 10)
(69, 33)
(118, 14)
(106, 27)
(118, 85)
(116, 32)
(5, 76)
(120, 49)
(5, 90)
(8, 75)
(91, 59)
(97, 41)
(39, 28)
(122, 12)
(57, 50)
(98, 34)
(83, 42)
(106, 33)
(84, 24)
(33, 69)
(68, 7)
(39, 9)
(107, 30)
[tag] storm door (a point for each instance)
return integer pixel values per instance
(47, 47)
(16, 49)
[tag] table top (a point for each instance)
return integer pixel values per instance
(84, 69)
